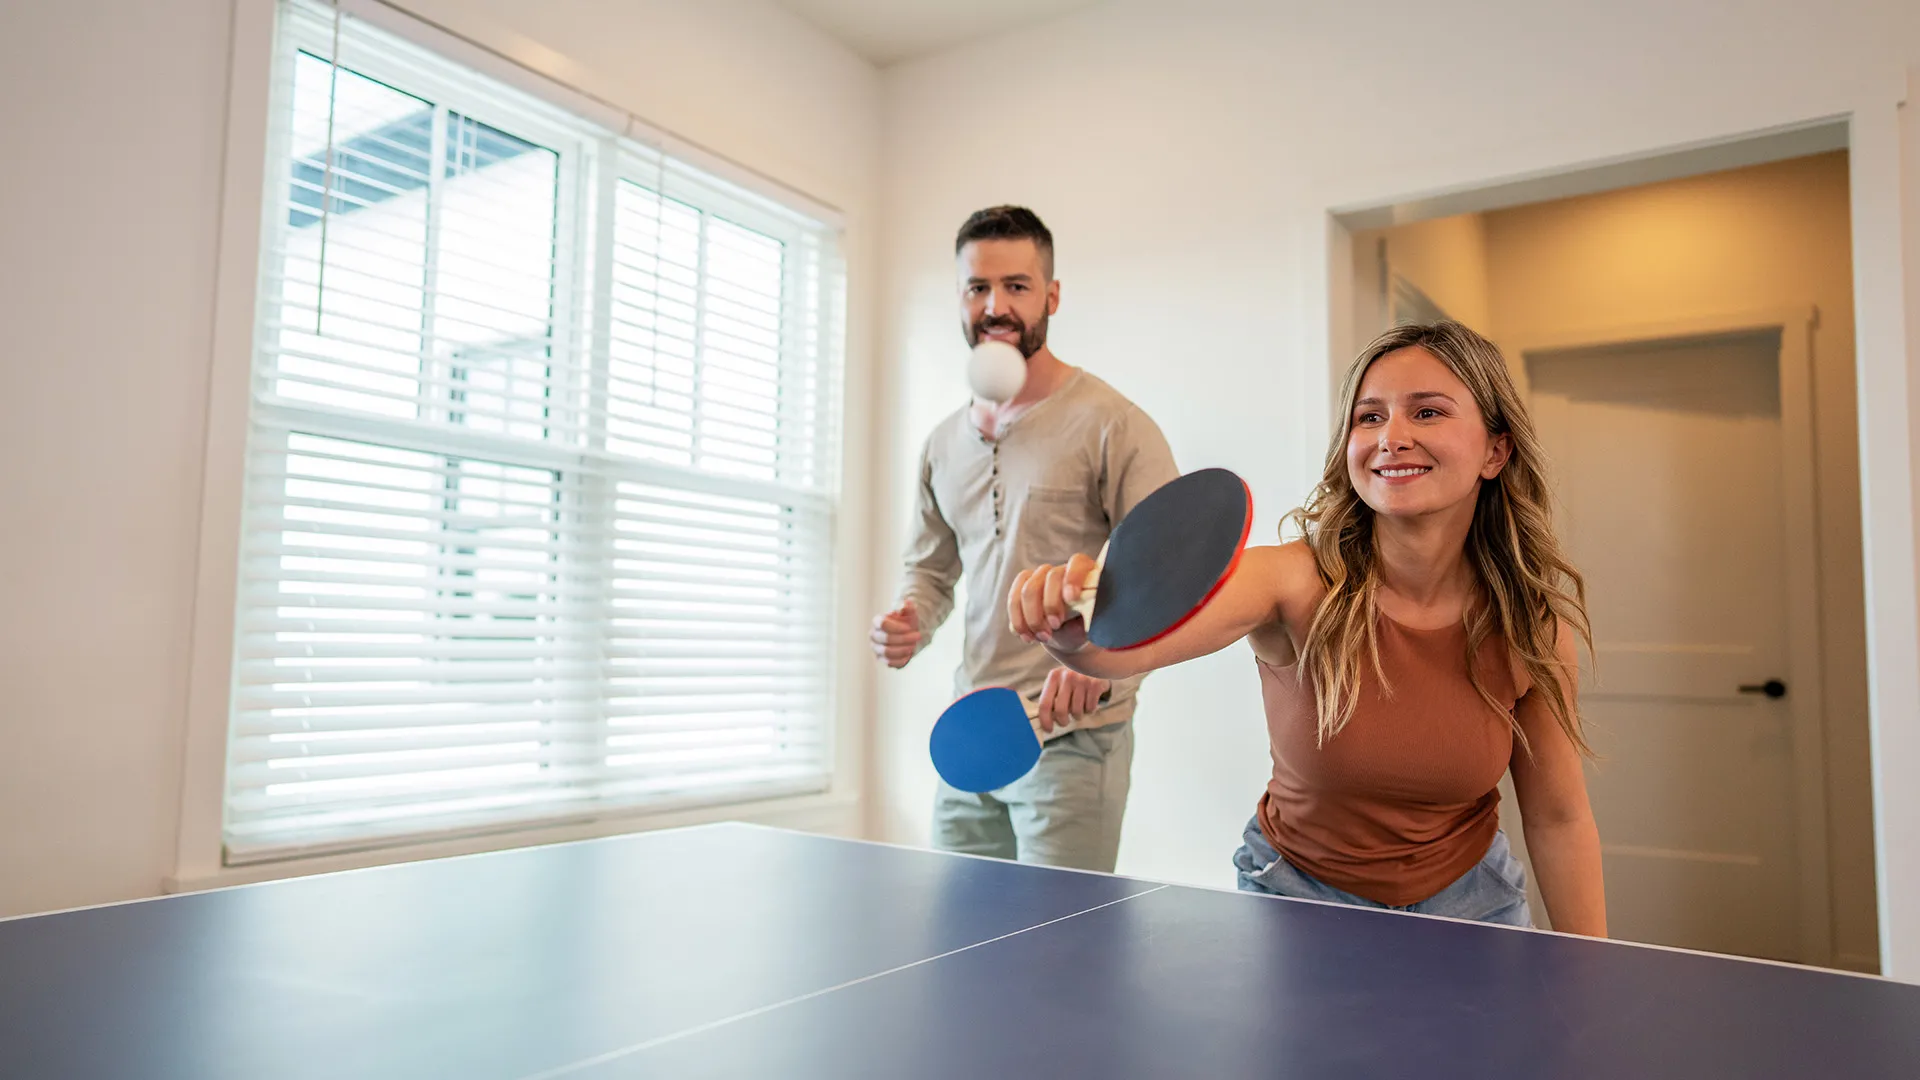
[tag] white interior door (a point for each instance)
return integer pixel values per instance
(1681, 503)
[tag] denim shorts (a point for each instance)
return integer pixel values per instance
(1494, 891)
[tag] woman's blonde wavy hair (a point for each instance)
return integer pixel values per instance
(1526, 585)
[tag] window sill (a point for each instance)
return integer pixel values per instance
(833, 813)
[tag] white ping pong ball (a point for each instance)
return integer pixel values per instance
(996, 371)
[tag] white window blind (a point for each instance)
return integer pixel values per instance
(540, 482)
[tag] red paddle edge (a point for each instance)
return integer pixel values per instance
(1246, 530)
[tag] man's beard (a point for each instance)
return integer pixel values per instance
(1032, 338)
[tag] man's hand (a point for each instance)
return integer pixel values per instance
(896, 635)
(1068, 696)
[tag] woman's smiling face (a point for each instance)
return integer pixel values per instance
(1417, 442)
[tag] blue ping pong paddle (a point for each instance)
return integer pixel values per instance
(987, 740)
(1162, 564)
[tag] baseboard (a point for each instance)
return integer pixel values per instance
(1865, 963)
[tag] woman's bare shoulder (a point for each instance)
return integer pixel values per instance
(1292, 578)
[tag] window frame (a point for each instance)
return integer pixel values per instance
(250, 174)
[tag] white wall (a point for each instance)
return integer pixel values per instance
(1187, 161)
(100, 429)
(117, 110)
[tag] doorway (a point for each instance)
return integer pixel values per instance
(1683, 474)
(1686, 346)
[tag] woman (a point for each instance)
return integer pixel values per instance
(1414, 646)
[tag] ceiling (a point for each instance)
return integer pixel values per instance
(890, 31)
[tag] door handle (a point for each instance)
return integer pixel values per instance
(1773, 688)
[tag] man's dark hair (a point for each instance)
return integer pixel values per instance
(1008, 223)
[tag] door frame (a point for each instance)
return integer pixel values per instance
(1801, 548)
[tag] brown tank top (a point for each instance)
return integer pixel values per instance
(1405, 799)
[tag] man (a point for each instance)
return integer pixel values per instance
(1005, 485)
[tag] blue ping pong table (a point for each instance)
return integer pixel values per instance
(733, 950)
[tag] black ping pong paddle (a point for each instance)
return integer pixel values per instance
(1166, 559)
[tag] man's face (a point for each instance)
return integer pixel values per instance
(1006, 294)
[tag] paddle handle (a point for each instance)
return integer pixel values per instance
(1083, 607)
(1033, 717)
